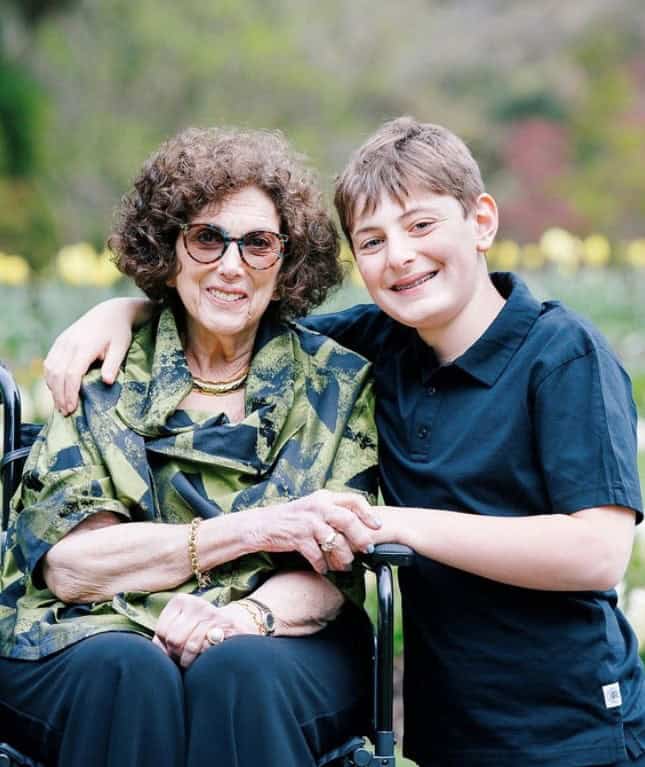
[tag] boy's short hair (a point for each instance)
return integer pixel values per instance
(402, 153)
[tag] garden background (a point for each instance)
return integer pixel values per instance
(550, 96)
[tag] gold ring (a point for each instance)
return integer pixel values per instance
(329, 542)
(215, 635)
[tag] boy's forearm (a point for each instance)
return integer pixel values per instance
(588, 550)
(136, 310)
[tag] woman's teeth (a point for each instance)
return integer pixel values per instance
(226, 296)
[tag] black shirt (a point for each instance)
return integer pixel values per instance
(536, 417)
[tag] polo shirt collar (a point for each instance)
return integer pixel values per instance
(488, 357)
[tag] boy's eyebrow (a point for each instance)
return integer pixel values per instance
(420, 209)
(406, 214)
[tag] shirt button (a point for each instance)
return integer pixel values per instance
(422, 432)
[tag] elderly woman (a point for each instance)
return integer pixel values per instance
(166, 598)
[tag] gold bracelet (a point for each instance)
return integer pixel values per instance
(261, 615)
(203, 579)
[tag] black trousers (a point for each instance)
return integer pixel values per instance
(115, 700)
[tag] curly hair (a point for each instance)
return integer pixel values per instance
(200, 167)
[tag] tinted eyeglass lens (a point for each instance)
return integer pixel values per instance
(204, 243)
(261, 249)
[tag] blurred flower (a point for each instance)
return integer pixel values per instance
(505, 255)
(106, 273)
(532, 256)
(635, 254)
(596, 250)
(14, 270)
(75, 263)
(80, 264)
(348, 260)
(562, 248)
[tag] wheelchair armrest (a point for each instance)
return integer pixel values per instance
(389, 554)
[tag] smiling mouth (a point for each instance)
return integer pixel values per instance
(414, 283)
(224, 295)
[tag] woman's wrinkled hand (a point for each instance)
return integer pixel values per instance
(104, 333)
(344, 519)
(185, 621)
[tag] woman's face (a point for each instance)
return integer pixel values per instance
(226, 299)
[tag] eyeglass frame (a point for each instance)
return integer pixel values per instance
(239, 241)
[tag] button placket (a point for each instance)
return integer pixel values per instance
(427, 407)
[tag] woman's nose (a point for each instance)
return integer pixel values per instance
(231, 261)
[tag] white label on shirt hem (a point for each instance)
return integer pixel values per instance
(612, 695)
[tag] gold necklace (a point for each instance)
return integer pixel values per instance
(219, 388)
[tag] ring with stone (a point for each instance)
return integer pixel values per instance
(215, 635)
(329, 542)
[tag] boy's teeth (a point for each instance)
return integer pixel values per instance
(415, 283)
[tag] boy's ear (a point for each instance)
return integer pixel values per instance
(486, 221)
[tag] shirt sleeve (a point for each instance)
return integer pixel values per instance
(361, 328)
(63, 483)
(355, 469)
(585, 425)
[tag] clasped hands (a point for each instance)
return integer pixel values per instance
(339, 522)
(186, 621)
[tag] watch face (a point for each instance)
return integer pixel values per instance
(269, 622)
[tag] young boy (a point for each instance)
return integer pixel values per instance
(508, 462)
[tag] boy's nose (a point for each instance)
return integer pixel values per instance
(400, 252)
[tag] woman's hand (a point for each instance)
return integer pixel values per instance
(305, 524)
(185, 621)
(103, 333)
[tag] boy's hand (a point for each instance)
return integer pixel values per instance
(103, 333)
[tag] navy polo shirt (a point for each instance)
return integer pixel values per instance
(536, 417)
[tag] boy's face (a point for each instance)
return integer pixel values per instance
(422, 261)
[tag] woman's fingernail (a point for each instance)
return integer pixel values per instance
(377, 521)
(370, 548)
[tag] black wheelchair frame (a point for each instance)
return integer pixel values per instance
(17, 440)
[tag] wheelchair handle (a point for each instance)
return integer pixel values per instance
(395, 554)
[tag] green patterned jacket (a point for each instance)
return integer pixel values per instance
(128, 449)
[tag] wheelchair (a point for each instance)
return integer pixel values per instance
(17, 440)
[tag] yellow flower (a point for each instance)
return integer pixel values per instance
(596, 250)
(76, 263)
(635, 254)
(80, 264)
(532, 256)
(106, 272)
(14, 270)
(562, 248)
(504, 255)
(348, 260)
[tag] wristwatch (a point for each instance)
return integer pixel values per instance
(262, 616)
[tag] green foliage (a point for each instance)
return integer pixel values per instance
(33, 11)
(533, 103)
(27, 225)
(638, 384)
(21, 120)
(606, 184)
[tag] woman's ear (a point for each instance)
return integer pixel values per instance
(486, 221)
